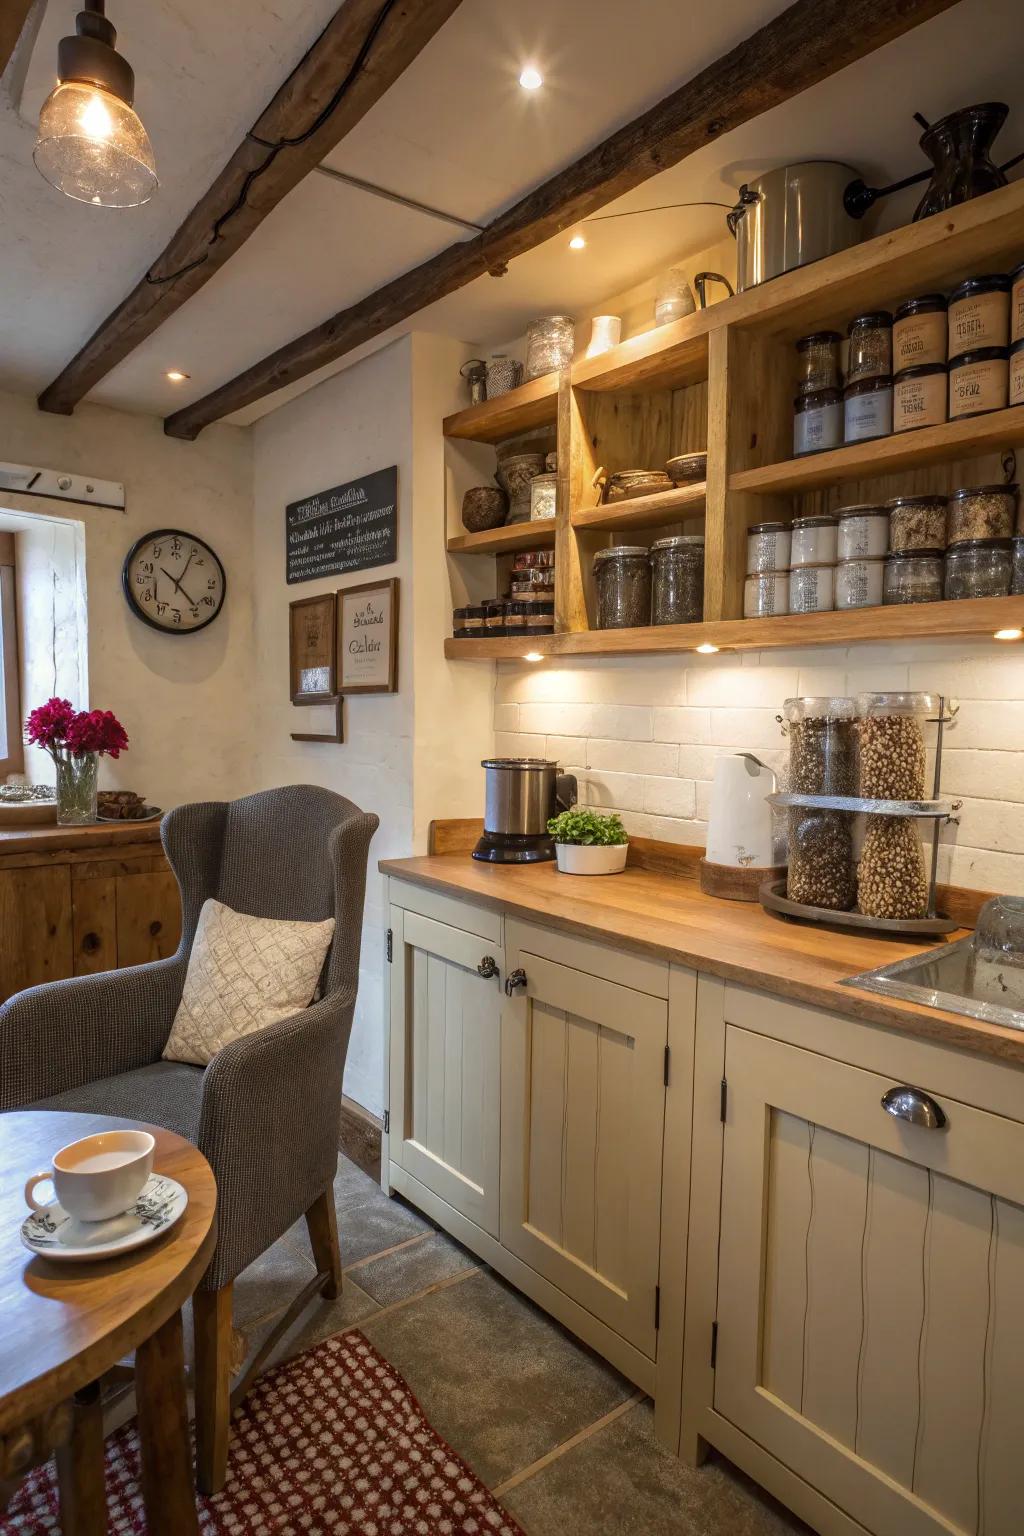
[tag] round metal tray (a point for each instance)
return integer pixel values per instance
(773, 898)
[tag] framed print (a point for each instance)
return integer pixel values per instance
(311, 649)
(368, 637)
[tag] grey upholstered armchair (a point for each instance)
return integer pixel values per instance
(265, 1110)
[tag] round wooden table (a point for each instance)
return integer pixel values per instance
(63, 1325)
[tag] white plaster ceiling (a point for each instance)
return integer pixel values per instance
(455, 131)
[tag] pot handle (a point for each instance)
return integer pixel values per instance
(566, 791)
(732, 219)
(701, 279)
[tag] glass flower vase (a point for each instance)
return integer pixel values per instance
(76, 789)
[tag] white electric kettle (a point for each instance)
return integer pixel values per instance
(740, 826)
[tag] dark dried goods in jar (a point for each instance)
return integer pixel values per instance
(891, 880)
(820, 859)
(822, 756)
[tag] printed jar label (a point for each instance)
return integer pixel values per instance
(869, 415)
(980, 322)
(980, 386)
(1017, 310)
(818, 429)
(1017, 378)
(919, 402)
(919, 339)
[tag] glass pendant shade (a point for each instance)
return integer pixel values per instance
(92, 146)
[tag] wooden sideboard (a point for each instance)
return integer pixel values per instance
(83, 899)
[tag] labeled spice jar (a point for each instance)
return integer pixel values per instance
(1017, 303)
(766, 594)
(494, 617)
(812, 588)
(543, 496)
(549, 344)
(623, 578)
(917, 522)
(859, 582)
(982, 512)
(891, 760)
(677, 587)
(818, 361)
(540, 618)
(468, 623)
(820, 870)
(979, 314)
(817, 422)
(822, 745)
(979, 382)
(870, 347)
(515, 618)
(863, 531)
(919, 332)
(891, 879)
(1016, 391)
(914, 577)
(867, 410)
(768, 547)
(813, 541)
(920, 397)
(1017, 582)
(528, 559)
(979, 568)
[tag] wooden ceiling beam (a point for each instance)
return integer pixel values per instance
(13, 16)
(809, 41)
(360, 53)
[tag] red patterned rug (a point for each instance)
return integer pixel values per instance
(331, 1442)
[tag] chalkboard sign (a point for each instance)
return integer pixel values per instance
(351, 527)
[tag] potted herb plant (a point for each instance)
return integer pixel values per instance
(588, 843)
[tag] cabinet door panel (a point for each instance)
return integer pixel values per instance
(35, 927)
(445, 1047)
(94, 907)
(583, 1104)
(148, 917)
(863, 1261)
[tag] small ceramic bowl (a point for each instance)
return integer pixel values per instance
(483, 507)
(688, 468)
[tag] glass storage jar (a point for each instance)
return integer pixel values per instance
(979, 382)
(1017, 303)
(540, 617)
(919, 332)
(859, 582)
(820, 870)
(870, 346)
(979, 568)
(867, 410)
(1016, 388)
(822, 745)
(983, 512)
(812, 588)
(677, 586)
(1017, 583)
(494, 618)
(891, 758)
(916, 522)
(913, 577)
(817, 422)
(920, 397)
(549, 344)
(979, 314)
(623, 578)
(891, 879)
(863, 532)
(818, 362)
(813, 541)
(765, 594)
(768, 547)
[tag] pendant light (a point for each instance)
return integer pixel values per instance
(92, 145)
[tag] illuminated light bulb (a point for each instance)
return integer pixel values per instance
(176, 376)
(1008, 634)
(531, 79)
(93, 118)
(533, 656)
(577, 243)
(707, 649)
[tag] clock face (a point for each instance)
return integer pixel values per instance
(173, 581)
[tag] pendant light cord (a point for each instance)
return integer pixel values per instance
(274, 148)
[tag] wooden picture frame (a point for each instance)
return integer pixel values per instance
(368, 616)
(312, 649)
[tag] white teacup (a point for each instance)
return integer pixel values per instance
(100, 1176)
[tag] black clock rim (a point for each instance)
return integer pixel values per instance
(126, 587)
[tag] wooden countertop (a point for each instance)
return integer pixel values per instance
(100, 834)
(668, 916)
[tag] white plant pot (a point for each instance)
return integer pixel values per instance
(596, 859)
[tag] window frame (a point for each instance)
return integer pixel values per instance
(10, 677)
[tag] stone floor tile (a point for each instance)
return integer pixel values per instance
(500, 1381)
(622, 1482)
(425, 1262)
(271, 1283)
(323, 1318)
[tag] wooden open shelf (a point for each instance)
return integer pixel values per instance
(909, 621)
(667, 357)
(886, 455)
(499, 541)
(531, 405)
(664, 507)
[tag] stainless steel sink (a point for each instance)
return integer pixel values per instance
(946, 978)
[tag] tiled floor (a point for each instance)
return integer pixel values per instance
(565, 1441)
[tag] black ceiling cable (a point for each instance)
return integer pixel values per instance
(275, 148)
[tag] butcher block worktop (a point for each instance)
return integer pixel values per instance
(669, 916)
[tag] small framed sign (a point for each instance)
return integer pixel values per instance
(311, 649)
(368, 638)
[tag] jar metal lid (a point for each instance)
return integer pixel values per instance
(693, 543)
(994, 282)
(920, 371)
(818, 339)
(817, 401)
(981, 355)
(983, 490)
(814, 565)
(475, 611)
(866, 387)
(622, 552)
(1017, 272)
(915, 501)
(814, 522)
(961, 544)
(877, 320)
(861, 509)
(1019, 343)
(927, 304)
(915, 554)
(863, 560)
(768, 528)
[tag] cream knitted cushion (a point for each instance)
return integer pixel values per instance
(243, 974)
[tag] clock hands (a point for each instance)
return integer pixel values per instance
(178, 586)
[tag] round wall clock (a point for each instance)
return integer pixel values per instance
(173, 581)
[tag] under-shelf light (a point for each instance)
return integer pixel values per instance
(1008, 634)
(578, 242)
(707, 649)
(533, 656)
(531, 78)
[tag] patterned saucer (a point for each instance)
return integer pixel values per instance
(53, 1234)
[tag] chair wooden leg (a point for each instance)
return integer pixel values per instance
(83, 1497)
(164, 1448)
(322, 1222)
(211, 1311)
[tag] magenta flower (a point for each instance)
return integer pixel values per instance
(47, 726)
(59, 730)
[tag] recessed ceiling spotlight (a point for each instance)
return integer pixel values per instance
(707, 649)
(533, 656)
(577, 243)
(1008, 634)
(176, 376)
(531, 79)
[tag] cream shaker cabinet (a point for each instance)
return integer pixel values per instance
(871, 1291)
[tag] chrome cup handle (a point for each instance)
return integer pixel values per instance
(915, 1107)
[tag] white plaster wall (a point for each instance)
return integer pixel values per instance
(643, 734)
(185, 701)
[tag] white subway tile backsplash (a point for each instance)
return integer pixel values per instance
(738, 687)
(506, 717)
(670, 797)
(982, 775)
(516, 744)
(633, 756)
(685, 725)
(747, 729)
(612, 791)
